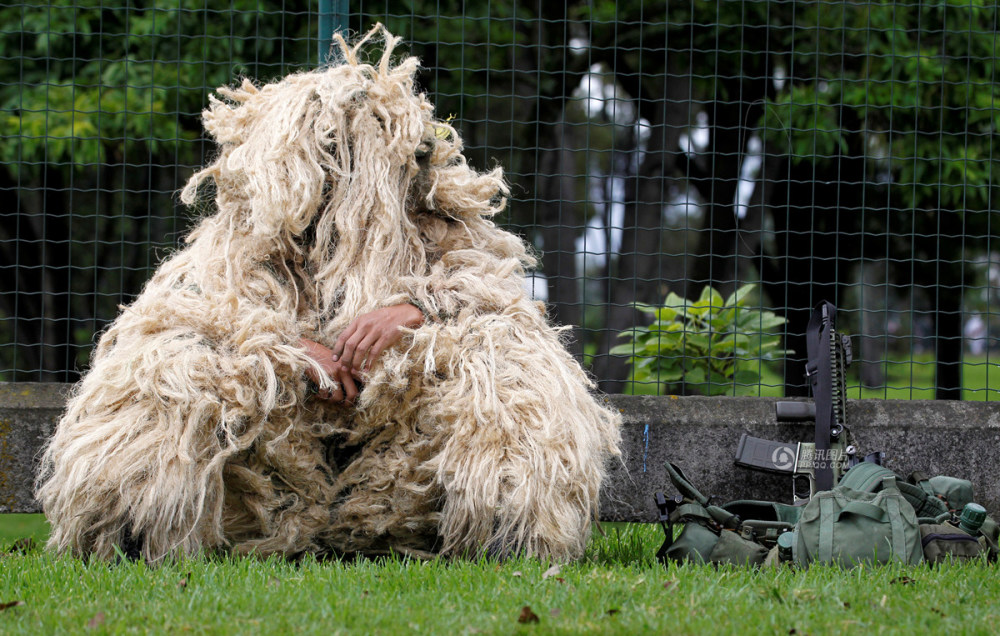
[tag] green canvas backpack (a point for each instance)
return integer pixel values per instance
(937, 501)
(849, 527)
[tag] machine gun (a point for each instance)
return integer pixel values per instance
(832, 452)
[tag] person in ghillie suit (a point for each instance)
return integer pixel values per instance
(350, 249)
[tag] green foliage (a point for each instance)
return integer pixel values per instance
(100, 101)
(914, 83)
(97, 82)
(711, 346)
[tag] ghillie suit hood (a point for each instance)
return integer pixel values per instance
(336, 193)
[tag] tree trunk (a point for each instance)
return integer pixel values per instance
(559, 215)
(716, 263)
(873, 345)
(640, 275)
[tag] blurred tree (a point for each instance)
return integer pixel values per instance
(874, 126)
(896, 107)
(101, 101)
(877, 122)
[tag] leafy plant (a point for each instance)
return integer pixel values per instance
(710, 346)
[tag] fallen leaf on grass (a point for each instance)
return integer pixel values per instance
(902, 580)
(884, 599)
(669, 584)
(527, 616)
(552, 571)
(6, 606)
(183, 583)
(97, 621)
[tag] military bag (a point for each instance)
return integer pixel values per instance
(737, 532)
(848, 527)
(943, 541)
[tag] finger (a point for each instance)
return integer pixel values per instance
(350, 389)
(363, 355)
(376, 350)
(349, 357)
(345, 335)
(325, 395)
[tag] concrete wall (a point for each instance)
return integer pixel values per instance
(699, 434)
(28, 413)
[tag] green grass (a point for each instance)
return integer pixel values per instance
(910, 379)
(616, 588)
(914, 380)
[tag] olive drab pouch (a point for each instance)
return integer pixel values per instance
(943, 541)
(848, 527)
(733, 548)
(953, 491)
(717, 534)
(700, 544)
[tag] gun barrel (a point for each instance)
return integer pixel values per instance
(795, 411)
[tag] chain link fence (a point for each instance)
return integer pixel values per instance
(779, 153)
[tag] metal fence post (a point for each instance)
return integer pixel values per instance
(333, 15)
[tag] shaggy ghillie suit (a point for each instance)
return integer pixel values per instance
(336, 193)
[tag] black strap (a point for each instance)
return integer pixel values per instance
(666, 507)
(819, 335)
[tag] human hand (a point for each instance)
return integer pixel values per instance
(345, 389)
(370, 334)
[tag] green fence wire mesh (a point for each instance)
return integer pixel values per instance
(808, 150)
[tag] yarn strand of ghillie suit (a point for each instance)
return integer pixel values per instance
(336, 193)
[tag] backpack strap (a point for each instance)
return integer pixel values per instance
(696, 506)
(865, 477)
(826, 523)
(869, 477)
(684, 485)
(924, 504)
(897, 527)
(920, 478)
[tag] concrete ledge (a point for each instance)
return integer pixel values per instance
(700, 434)
(28, 415)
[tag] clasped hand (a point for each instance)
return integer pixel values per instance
(357, 348)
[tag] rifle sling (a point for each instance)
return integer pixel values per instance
(819, 367)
